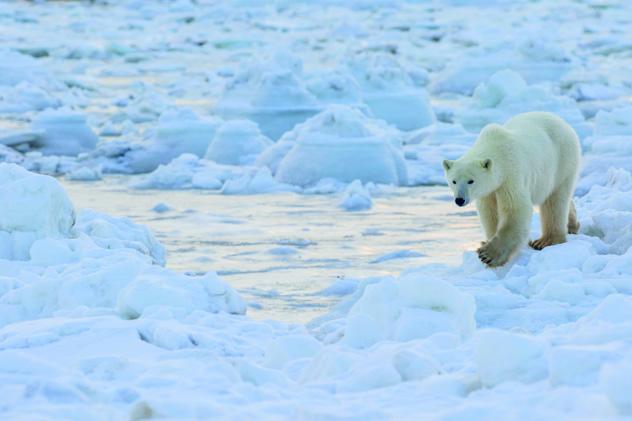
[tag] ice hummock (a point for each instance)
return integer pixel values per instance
(63, 132)
(535, 61)
(34, 207)
(390, 92)
(236, 142)
(344, 144)
(506, 94)
(178, 131)
(271, 94)
(93, 264)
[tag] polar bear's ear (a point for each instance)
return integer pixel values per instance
(487, 164)
(447, 164)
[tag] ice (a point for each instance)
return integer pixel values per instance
(407, 309)
(25, 97)
(255, 182)
(85, 174)
(390, 92)
(289, 348)
(64, 132)
(179, 131)
(189, 172)
(614, 122)
(356, 197)
(164, 289)
(237, 142)
(96, 262)
(464, 74)
(617, 382)
(113, 233)
(400, 254)
(610, 218)
(272, 94)
(503, 356)
(95, 323)
(506, 94)
(35, 206)
(17, 68)
(607, 148)
(425, 149)
(336, 87)
(342, 143)
(576, 365)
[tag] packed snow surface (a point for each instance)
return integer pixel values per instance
(258, 244)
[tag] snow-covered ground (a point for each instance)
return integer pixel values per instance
(270, 236)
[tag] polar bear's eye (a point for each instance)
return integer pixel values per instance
(470, 182)
(453, 181)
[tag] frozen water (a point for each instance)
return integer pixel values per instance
(240, 238)
(362, 300)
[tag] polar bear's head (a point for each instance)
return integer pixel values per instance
(470, 179)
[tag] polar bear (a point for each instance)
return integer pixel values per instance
(533, 159)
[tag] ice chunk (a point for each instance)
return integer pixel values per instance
(111, 233)
(464, 74)
(285, 349)
(182, 131)
(617, 380)
(34, 206)
(390, 92)
(344, 144)
(409, 308)
(237, 142)
(270, 94)
(504, 356)
(614, 122)
(16, 68)
(576, 366)
(356, 197)
(85, 174)
(64, 132)
(26, 97)
(168, 289)
(506, 94)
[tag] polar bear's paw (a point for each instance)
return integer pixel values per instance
(542, 242)
(493, 254)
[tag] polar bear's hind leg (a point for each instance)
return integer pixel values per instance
(555, 216)
(573, 223)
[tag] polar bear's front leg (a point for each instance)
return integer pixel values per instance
(514, 219)
(488, 214)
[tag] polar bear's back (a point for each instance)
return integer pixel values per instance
(539, 150)
(548, 137)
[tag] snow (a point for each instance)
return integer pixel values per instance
(302, 272)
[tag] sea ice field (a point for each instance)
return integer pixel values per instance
(221, 210)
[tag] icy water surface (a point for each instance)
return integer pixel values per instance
(281, 250)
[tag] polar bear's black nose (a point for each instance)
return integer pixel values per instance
(459, 201)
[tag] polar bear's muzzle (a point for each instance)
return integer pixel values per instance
(460, 201)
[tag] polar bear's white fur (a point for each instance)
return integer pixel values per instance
(533, 159)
